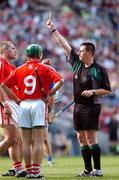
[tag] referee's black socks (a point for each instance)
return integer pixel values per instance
(96, 153)
(86, 153)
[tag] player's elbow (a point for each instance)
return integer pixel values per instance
(61, 82)
(108, 92)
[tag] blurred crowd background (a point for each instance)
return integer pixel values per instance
(24, 22)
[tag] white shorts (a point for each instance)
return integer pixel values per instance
(33, 113)
(15, 111)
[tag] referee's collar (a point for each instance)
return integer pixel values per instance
(89, 65)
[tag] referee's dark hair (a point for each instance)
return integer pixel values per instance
(89, 47)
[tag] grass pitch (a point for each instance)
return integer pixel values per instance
(66, 168)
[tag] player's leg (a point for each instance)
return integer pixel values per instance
(39, 121)
(27, 145)
(14, 120)
(86, 153)
(20, 143)
(11, 138)
(95, 151)
(37, 148)
(48, 149)
(92, 139)
(81, 113)
(17, 149)
(26, 134)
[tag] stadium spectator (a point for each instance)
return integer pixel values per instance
(90, 82)
(33, 105)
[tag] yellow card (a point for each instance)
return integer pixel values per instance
(49, 17)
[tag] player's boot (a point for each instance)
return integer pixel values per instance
(83, 174)
(39, 176)
(29, 176)
(10, 172)
(50, 163)
(97, 172)
(21, 174)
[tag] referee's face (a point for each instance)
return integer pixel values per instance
(83, 54)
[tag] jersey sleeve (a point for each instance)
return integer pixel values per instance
(10, 81)
(73, 58)
(54, 76)
(74, 61)
(54, 71)
(105, 80)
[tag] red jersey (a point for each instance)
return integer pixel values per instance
(5, 70)
(24, 77)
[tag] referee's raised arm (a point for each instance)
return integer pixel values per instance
(59, 39)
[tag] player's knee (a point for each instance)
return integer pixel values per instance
(9, 141)
(81, 138)
(91, 139)
(12, 140)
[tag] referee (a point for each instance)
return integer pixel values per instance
(90, 83)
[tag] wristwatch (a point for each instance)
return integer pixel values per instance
(94, 91)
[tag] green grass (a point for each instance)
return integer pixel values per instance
(65, 168)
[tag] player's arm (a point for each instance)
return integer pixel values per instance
(7, 112)
(51, 103)
(57, 86)
(55, 78)
(97, 92)
(59, 39)
(10, 93)
(7, 85)
(46, 61)
(51, 100)
(51, 114)
(2, 96)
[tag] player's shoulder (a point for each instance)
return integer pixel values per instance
(3, 61)
(20, 67)
(44, 66)
(99, 66)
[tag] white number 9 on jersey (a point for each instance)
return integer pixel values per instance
(30, 83)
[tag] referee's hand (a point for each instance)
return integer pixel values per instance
(87, 93)
(50, 23)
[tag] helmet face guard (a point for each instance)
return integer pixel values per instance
(34, 50)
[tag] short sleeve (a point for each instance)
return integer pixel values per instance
(73, 58)
(105, 82)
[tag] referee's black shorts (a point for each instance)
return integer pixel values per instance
(86, 116)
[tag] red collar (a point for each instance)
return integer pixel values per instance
(33, 60)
